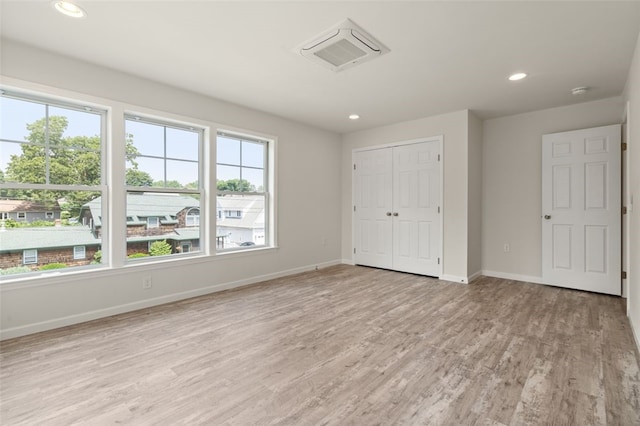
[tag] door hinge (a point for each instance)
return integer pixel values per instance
(354, 250)
(438, 209)
(624, 275)
(624, 146)
(354, 208)
(438, 261)
(354, 166)
(624, 209)
(438, 157)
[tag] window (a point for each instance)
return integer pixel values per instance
(243, 190)
(163, 183)
(29, 257)
(4, 215)
(193, 217)
(233, 214)
(51, 157)
(79, 252)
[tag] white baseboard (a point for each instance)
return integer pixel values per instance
(455, 279)
(475, 276)
(515, 277)
(24, 330)
(636, 336)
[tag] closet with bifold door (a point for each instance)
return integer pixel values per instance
(397, 206)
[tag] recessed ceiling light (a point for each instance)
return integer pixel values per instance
(70, 9)
(354, 117)
(517, 76)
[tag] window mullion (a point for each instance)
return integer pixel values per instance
(47, 167)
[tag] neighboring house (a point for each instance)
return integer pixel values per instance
(240, 220)
(153, 217)
(35, 247)
(29, 211)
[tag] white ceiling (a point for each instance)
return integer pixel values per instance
(445, 56)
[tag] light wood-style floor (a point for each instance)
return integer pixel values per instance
(340, 346)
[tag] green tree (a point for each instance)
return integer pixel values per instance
(236, 185)
(160, 248)
(168, 184)
(72, 160)
(136, 177)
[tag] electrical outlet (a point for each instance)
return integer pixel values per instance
(506, 248)
(146, 283)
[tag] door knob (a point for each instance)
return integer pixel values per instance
(388, 213)
(547, 216)
(395, 214)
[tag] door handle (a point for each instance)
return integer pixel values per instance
(388, 213)
(547, 216)
(395, 214)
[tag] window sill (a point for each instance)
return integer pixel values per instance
(57, 277)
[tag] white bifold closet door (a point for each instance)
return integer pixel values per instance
(397, 208)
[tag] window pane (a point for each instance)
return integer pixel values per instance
(225, 173)
(75, 154)
(152, 169)
(182, 174)
(52, 223)
(241, 221)
(255, 177)
(73, 128)
(182, 144)
(147, 138)
(228, 150)
(16, 115)
(22, 163)
(158, 224)
(253, 154)
(74, 166)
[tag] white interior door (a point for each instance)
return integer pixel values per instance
(416, 199)
(581, 240)
(373, 208)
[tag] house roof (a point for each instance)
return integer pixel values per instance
(252, 208)
(141, 206)
(27, 206)
(14, 239)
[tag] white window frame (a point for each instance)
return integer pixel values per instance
(28, 255)
(268, 169)
(49, 102)
(200, 191)
(79, 252)
(4, 215)
(49, 215)
(112, 185)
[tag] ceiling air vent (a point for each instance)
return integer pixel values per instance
(342, 46)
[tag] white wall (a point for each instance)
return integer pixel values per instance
(453, 127)
(632, 93)
(474, 220)
(512, 182)
(308, 192)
